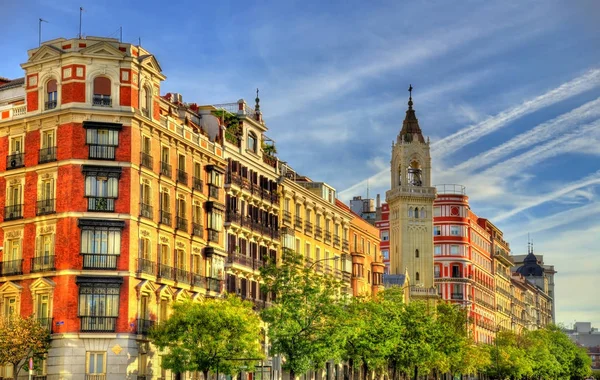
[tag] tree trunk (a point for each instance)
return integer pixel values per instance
(292, 375)
(205, 373)
(351, 369)
(365, 370)
(416, 373)
(16, 368)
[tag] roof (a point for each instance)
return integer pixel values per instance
(410, 126)
(12, 83)
(390, 280)
(530, 266)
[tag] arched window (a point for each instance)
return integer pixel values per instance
(51, 94)
(102, 92)
(146, 99)
(410, 212)
(399, 175)
(423, 215)
(252, 140)
(417, 278)
(417, 253)
(417, 212)
(414, 174)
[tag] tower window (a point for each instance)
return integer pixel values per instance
(417, 278)
(416, 253)
(252, 142)
(415, 174)
(416, 213)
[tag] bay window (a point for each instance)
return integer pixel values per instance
(102, 139)
(99, 303)
(101, 187)
(100, 243)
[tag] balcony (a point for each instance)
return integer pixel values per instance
(287, 218)
(95, 377)
(213, 235)
(165, 169)
(42, 263)
(101, 204)
(11, 267)
(99, 261)
(147, 160)
(181, 275)
(345, 245)
(457, 296)
(165, 217)
(308, 227)
(50, 105)
(102, 152)
(213, 284)
(146, 211)
(13, 212)
(233, 217)
(45, 207)
(15, 161)
(327, 237)
(213, 191)
(298, 222)
(197, 184)
(46, 322)
(336, 240)
(47, 155)
(144, 326)
(318, 233)
(98, 324)
(147, 266)
(101, 101)
(244, 260)
(166, 272)
(181, 224)
(182, 177)
(197, 229)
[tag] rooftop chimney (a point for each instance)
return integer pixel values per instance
(378, 200)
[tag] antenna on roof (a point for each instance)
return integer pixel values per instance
(139, 41)
(80, 13)
(40, 31)
(120, 34)
(367, 188)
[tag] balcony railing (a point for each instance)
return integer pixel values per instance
(98, 324)
(298, 222)
(101, 101)
(95, 377)
(15, 160)
(327, 237)
(146, 211)
(182, 177)
(181, 275)
(308, 227)
(47, 155)
(147, 160)
(457, 296)
(166, 272)
(197, 183)
(102, 152)
(165, 217)
(45, 207)
(213, 235)
(13, 212)
(144, 326)
(99, 261)
(46, 322)
(165, 169)
(101, 204)
(244, 260)
(345, 245)
(181, 224)
(147, 266)
(197, 229)
(318, 233)
(287, 217)
(49, 105)
(11, 267)
(336, 240)
(42, 263)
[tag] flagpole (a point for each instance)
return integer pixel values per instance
(40, 31)
(80, 12)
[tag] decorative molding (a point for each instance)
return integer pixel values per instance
(180, 244)
(145, 233)
(14, 234)
(47, 229)
(164, 239)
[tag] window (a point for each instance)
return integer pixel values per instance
(45, 205)
(417, 253)
(437, 249)
(423, 213)
(10, 306)
(146, 101)
(165, 167)
(436, 271)
(51, 94)
(44, 253)
(14, 207)
(181, 173)
(99, 303)
(197, 185)
(146, 197)
(417, 277)
(454, 230)
(307, 250)
(455, 271)
(252, 142)
(12, 262)
(101, 187)
(102, 139)
(102, 92)
(197, 219)
(16, 158)
(42, 307)
(416, 213)
(215, 220)
(48, 151)
(214, 180)
(385, 235)
(181, 222)
(96, 362)
(165, 208)
(146, 155)
(100, 243)
(437, 211)
(410, 212)
(454, 249)
(386, 254)
(437, 230)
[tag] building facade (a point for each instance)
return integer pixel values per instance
(100, 233)
(410, 202)
(544, 280)
(383, 225)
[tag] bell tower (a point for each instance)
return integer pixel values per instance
(411, 206)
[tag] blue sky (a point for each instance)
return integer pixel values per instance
(509, 93)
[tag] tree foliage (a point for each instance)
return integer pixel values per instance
(303, 321)
(21, 339)
(210, 335)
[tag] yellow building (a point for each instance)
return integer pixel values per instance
(315, 226)
(502, 263)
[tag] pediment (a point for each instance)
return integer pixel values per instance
(165, 290)
(42, 284)
(46, 52)
(182, 295)
(150, 62)
(10, 287)
(147, 286)
(104, 49)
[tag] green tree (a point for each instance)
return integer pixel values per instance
(211, 335)
(507, 358)
(537, 349)
(450, 338)
(21, 339)
(303, 321)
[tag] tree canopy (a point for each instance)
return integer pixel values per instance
(21, 339)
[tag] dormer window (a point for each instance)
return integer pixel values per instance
(51, 94)
(101, 96)
(252, 142)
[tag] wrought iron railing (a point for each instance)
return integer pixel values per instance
(336, 240)
(287, 217)
(165, 217)
(46, 322)
(147, 160)
(101, 204)
(165, 169)
(308, 227)
(182, 275)
(213, 235)
(15, 160)
(11, 267)
(197, 229)
(318, 233)
(102, 152)
(50, 104)
(45, 207)
(147, 266)
(165, 271)
(197, 183)
(144, 326)
(47, 155)
(99, 261)
(244, 260)
(327, 236)
(98, 324)
(101, 101)
(42, 263)
(213, 191)
(297, 222)
(181, 223)
(146, 211)
(213, 284)
(95, 377)
(182, 177)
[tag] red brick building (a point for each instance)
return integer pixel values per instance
(383, 224)
(112, 205)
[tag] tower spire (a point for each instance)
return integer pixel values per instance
(410, 127)
(410, 102)
(257, 100)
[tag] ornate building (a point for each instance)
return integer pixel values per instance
(113, 205)
(410, 202)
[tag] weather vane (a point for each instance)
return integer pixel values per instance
(410, 88)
